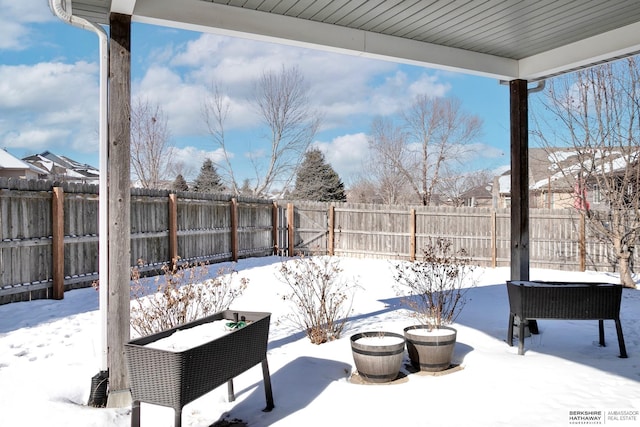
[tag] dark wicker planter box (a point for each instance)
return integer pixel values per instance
(564, 300)
(173, 379)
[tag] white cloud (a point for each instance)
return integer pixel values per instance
(15, 21)
(49, 105)
(191, 159)
(344, 89)
(347, 154)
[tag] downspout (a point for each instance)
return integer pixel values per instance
(59, 8)
(538, 87)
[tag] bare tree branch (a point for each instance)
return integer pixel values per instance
(151, 154)
(594, 115)
(215, 110)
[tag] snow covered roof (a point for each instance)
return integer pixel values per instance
(8, 161)
(61, 166)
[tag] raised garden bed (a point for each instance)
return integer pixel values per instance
(564, 300)
(175, 378)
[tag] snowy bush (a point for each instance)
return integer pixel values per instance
(321, 298)
(181, 294)
(435, 287)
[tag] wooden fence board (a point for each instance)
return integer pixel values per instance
(204, 233)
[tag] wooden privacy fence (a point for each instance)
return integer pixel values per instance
(559, 239)
(49, 233)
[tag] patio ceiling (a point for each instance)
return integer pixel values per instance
(507, 40)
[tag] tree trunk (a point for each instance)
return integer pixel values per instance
(625, 271)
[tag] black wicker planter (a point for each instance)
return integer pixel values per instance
(564, 300)
(174, 379)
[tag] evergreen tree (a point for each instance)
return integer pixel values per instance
(208, 180)
(316, 180)
(246, 188)
(180, 184)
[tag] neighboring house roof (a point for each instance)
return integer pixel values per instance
(479, 192)
(63, 166)
(557, 168)
(552, 168)
(8, 161)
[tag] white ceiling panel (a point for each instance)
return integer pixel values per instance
(505, 39)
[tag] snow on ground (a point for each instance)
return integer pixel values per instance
(49, 350)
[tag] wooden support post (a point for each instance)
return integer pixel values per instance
(119, 195)
(412, 235)
(520, 185)
(57, 242)
(519, 180)
(494, 239)
(274, 225)
(331, 228)
(583, 242)
(173, 229)
(291, 243)
(235, 249)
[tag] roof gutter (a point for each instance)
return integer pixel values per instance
(62, 9)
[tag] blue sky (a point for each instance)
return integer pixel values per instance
(49, 77)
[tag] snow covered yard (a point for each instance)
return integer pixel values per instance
(49, 350)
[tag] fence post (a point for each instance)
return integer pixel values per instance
(291, 244)
(412, 235)
(583, 243)
(234, 229)
(173, 229)
(330, 225)
(57, 242)
(274, 225)
(494, 239)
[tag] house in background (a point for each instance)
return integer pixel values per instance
(61, 168)
(480, 196)
(551, 180)
(554, 179)
(12, 167)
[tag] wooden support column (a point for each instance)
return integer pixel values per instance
(519, 180)
(291, 243)
(119, 195)
(235, 247)
(331, 226)
(520, 185)
(57, 242)
(173, 229)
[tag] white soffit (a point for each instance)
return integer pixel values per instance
(503, 39)
(234, 21)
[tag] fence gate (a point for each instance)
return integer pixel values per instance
(307, 226)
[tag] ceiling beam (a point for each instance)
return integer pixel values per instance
(618, 43)
(202, 16)
(124, 7)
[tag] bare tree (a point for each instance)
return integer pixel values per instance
(282, 102)
(389, 154)
(150, 150)
(215, 110)
(595, 113)
(442, 135)
(436, 134)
